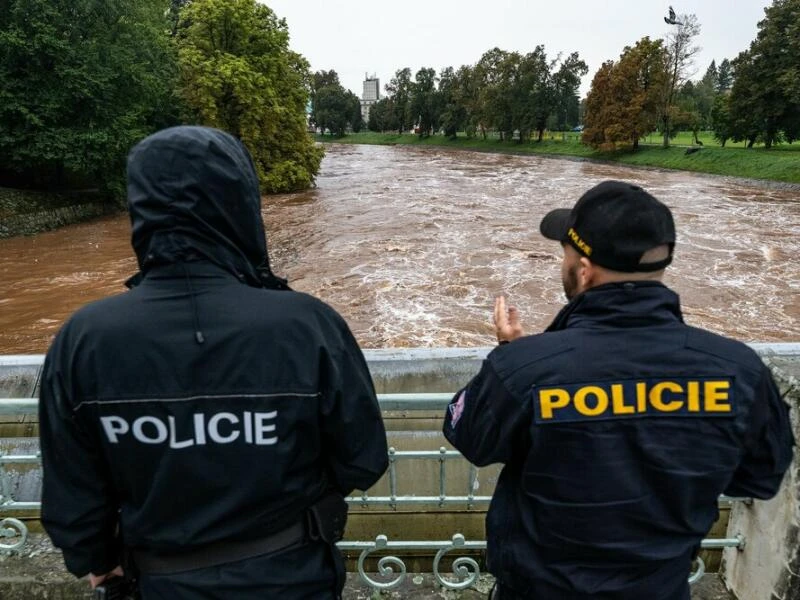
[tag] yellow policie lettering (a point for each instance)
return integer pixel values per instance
(552, 399)
(600, 403)
(618, 401)
(716, 396)
(578, 241)
(609, 399)
(658, 403)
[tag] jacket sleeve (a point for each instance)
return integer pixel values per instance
(768, 447)
(79, 511)
(353, 434)
(485, 421)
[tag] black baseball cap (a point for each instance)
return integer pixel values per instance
(613, 225)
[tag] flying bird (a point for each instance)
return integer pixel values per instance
(672, 19)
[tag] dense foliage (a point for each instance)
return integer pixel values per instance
(764, 103)
(333, 108)
(625, 100)
(83, 80)
(512, 93)
(238, 74)
(754, 98)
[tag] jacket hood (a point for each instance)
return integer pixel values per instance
(192, 195)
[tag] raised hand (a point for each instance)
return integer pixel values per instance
(506, 321)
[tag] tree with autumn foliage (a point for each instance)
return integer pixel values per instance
(625, 99)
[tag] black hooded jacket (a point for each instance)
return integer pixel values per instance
(209, 402)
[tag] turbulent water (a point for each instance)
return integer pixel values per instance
(412, 245)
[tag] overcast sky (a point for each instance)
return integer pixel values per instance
(355, 37)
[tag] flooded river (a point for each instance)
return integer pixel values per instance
(412, 245)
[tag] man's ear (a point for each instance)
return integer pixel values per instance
(586, 273)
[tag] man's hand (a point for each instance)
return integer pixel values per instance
(506, 321)
(95, 580)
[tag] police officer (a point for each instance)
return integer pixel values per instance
(618, 426)
(209, 421)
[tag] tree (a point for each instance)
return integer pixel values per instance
(705, 92)
(746, 110)
(322, 79)
(453, 110)
(598, 109)
(238, 74)
(382, 116)
(720, 115)
(425, 101)
(566, 82)
(535, 93)
(495, 73)
(333, 110)
(356, 120)
(333, 107)
(467, 95)
(724, 76)
(399, 90)
(680, 60)
(82, 82)
(765, 97)
(625, 99)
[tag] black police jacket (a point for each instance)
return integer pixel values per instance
(619, 427)
(209, 402)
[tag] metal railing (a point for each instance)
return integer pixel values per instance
(465, 570)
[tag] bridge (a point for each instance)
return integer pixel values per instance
(421, 525)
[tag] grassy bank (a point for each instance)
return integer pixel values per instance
(781, 163)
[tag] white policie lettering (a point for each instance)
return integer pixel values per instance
(220, 428)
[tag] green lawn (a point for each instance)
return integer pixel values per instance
(781, 163)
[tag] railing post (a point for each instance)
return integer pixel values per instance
(442, 475)
(471, 480)
(393, 478)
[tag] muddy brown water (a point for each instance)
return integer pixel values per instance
(412, 245)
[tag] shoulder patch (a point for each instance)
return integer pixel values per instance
(457, 408)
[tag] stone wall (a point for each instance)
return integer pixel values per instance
(25, 212)
(769, 566)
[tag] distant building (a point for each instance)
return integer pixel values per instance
(370, 95)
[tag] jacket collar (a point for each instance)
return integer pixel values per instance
(626, 304)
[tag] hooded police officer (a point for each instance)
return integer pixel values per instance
(620, 425)
(208, 422)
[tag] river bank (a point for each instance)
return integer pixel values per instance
(779, 165)
(28, 212)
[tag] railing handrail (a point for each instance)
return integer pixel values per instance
(388, 402)
(380, 354)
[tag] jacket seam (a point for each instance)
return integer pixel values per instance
(200, 397)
